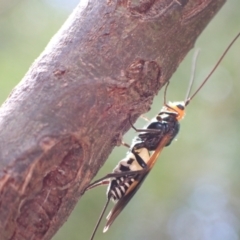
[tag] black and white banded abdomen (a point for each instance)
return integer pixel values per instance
(119, 185)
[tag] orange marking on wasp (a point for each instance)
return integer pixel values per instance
(130, 172)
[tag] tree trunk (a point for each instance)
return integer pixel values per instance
(61, 122)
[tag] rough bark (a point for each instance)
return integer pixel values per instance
(60, 123)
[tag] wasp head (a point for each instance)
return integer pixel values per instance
(176, 107)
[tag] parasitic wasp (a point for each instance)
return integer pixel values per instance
(130, 172)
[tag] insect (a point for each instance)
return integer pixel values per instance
(130, 172)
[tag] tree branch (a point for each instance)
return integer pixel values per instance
(64, 118)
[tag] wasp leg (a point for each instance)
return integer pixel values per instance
(113, 175)
(121, 142)
(100, 218)
(98, 183)
(144, 130)
(125, 144)
(145, 118)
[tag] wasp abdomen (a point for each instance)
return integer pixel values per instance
(119, 187)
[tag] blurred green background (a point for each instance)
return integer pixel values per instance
(193, 193)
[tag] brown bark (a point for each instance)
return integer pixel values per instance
(61, 122)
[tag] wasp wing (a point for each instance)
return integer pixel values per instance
(136, 185)
(123, 202)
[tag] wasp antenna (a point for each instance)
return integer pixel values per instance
(214, 68)
(100, 218)
(193, 71)
(165, 93)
